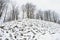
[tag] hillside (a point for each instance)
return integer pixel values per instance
(29, 29)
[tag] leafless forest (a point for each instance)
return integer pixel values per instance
(28, 11)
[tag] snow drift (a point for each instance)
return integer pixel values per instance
(29, 29)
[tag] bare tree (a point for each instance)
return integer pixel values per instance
(2, 6)
(55, 16)
(5, 13)
(23, 10)
(58, 22)
(14, 13)
(46, 14)
(3, 9)
(39, 15)
(30, 8)
(50, 16)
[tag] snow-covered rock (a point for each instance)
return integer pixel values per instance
(29, 29)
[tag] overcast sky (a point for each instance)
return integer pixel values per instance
(43, 4)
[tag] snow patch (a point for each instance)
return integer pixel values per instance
(29, 29)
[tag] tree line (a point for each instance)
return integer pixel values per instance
(30, 10)
(47, 15)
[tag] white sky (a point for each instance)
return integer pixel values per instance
(43, 4)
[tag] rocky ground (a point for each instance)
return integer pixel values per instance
(29, 29)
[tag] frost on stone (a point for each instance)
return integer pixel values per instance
(29, 30)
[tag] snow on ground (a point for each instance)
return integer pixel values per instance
(29, 29)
